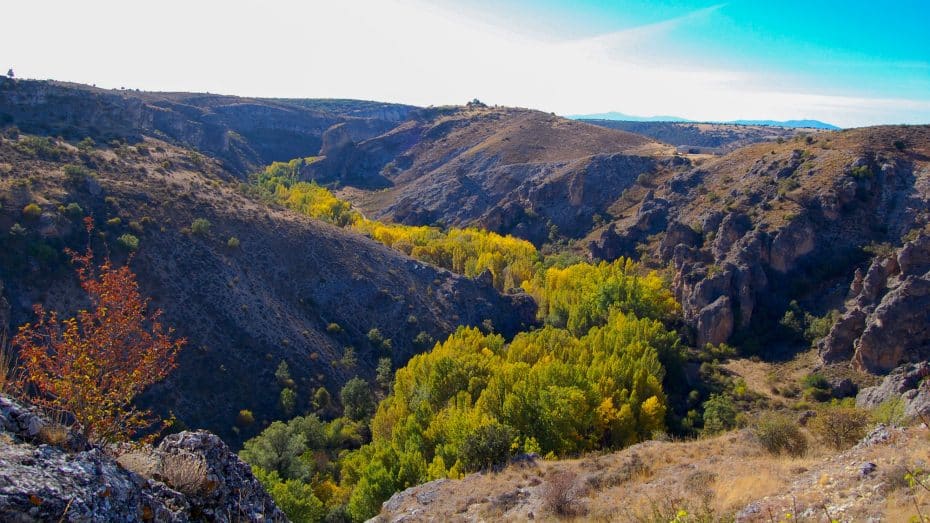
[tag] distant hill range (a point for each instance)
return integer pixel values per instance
(613, 115)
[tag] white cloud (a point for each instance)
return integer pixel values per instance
(396, 50)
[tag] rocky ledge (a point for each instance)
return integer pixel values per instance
(48, 474)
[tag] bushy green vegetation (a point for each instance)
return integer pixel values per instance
(591, 378)
(201, 227)
(779, 433)
(840, 425)
(129, 241)
(296, 463)
(32, 211)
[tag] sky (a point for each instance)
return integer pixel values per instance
(850, 63)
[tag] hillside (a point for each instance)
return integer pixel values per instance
(244, 133)
(726, 478)
(715, 138)
(803, 220)
(508, 170)
(290, 289)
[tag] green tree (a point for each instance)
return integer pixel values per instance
(719, 414)
(283, 375)
(486, 447)
(384, 374)
(357, 400)
(288, 401)
(321, 399)
(277, 449)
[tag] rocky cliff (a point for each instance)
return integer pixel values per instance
(767, 224)
(47, 474)
(886, 320)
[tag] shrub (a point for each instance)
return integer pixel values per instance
(17, 230)
(349, 360)
(899, 145)
(321, 399)
(719, 414)
(44, 148)
(486, 447)
(32, 211)
(283, 375)
(423, 340)
(200, 227)
(129, 241)
(294, 497)
(74, 210)
(87, 144)
(114, 222)
(288, 401)
(92, 366)
(779, 433)
(245, 418)
(232, 242)
(76, 173)
(861, 172)
(185, 473)
(561, 495)
(819, 327)
(816, 387)
(890, 412)
(840, 426)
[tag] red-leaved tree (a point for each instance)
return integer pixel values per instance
(93, 365)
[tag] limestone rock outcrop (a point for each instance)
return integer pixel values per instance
(190, 476)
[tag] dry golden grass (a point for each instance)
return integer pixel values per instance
(711, 479)
(186, 473)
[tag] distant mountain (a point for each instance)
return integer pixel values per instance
(613, 115)
(811, 124)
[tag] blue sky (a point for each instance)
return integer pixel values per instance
(851, 63)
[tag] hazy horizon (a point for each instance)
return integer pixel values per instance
(696, 60)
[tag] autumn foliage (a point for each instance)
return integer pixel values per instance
(93, 365)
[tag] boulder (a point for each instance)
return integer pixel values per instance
(678, 234)
(715, 322)
(838, 344)
(898, 331)
(79, 483)
(907, 382)
(914, 257)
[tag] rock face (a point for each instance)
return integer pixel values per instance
(768, 224)
(907, 382)
(887, 318)
(72, 482)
